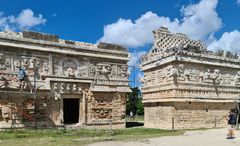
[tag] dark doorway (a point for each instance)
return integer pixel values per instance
(70, 110)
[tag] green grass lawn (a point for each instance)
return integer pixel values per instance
(78, 137)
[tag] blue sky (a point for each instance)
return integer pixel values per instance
(127, 22)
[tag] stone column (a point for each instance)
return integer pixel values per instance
(84, 108)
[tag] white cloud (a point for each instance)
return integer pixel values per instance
(238, 2)
(138, 33)
(133, 34)
(3, 21)
(135, 58)
(140, 76)
(196, 21)
(25, 20)
(229, 41)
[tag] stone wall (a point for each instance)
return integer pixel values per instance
(19, 111)
(179, 70)
(100, 110)
(105, 108)
(187, 115)
(96, 74)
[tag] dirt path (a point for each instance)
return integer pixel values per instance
(213, 137)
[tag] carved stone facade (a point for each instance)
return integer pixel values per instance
(186, 84)
(76, 83)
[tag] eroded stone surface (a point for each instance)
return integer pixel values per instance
(95, 74)
(185, 81)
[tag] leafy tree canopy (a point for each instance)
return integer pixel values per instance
(134, 102)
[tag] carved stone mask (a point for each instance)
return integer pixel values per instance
(8, 62)
(25, 63)
(181, 66)
(5, 112)
(216, 71)
(17, 64)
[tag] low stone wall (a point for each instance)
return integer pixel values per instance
(104, 108)
(186, 115)
(105, 125)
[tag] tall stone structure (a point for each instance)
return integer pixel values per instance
(76, 83)
(187, 86)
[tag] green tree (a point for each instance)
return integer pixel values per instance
(134, 102)
(140, 107)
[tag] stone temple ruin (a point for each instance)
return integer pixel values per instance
(187, 86)
(76, 83)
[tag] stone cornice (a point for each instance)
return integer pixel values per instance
(46, 46)
(190, 57)
(182, 99)
(191, 87)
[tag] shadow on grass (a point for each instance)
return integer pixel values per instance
(134, 124)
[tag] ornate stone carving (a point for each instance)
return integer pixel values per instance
(216, 76)
(198, 82)
(100, 114)
(182, 73)
(237, 78)
(2, 62)
(6, 113)
(227, 79)
(64, 87)
(83, 71)
(9, 81)
(74, 88)
(56, 90)
(102, 107)
(70, 68)
(45, 69)
(32, 63)
(123, 72)
(103, 71)
(188, 74)
(60, 75)
(8, 62)
(103, 102)
(172, 72)
(167, 43)
(70, 72)
(114, 71)
(25, 63)
(88, 94)
(17, 64)
(207, 76)
(92, 70)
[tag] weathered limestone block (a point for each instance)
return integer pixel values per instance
(107, 108)
(186, 115)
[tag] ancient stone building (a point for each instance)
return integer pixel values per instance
(76, 83)
(187, 86)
